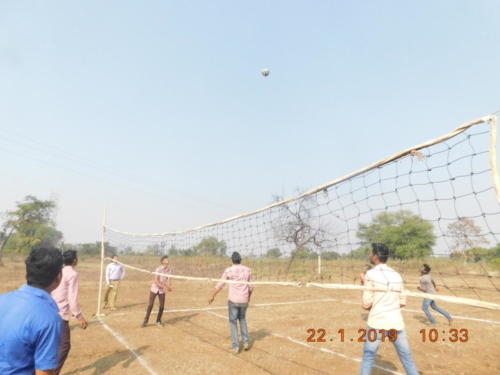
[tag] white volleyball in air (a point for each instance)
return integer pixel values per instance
(264, 72)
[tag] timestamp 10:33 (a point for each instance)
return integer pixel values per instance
(391, 335)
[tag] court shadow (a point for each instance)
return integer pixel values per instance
(180, 318)
(103, 365)
(364, 316)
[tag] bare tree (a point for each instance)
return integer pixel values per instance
(298, 223)
(466, 235)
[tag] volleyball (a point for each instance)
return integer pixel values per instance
(264, 72)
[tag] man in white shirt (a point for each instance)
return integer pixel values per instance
(115, 272)
(384, 300)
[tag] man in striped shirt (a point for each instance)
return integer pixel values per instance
(66, 297)
(238, 299)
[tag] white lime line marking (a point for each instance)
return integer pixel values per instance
(298, 342)
(122, 341)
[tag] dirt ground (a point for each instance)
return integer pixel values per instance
(197, 341)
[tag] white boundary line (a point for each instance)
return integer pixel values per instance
(144, 363)
(453, 316)
(122, 341)
(302, 302)
(295, 341)
(225, 307)
(459, 317)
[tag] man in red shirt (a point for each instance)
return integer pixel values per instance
(238, 299)
(66, 297)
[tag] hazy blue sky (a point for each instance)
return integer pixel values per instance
(156, 109)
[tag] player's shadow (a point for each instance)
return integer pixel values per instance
(145, 303)
(260, 334)
(422, 319)
(182, 318)
(104, 364)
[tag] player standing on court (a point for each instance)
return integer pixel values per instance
(161, 284)
(30, 325)
(384, 299)
(238, 299)
(66, 297)
(115, 272)
(427, 285)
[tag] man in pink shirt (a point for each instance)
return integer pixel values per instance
(66, 297)
(161, 284)
(238, 299)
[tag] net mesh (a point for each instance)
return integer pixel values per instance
(436, 202)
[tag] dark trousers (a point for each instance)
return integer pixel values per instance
(64, 347)
(152, 297)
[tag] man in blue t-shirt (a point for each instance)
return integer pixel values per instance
(30, 326)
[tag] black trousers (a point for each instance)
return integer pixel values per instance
(64, 347)
(161, 298)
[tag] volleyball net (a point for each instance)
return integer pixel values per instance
(437, 202)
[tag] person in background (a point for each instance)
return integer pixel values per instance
(115, 272)
(427, 285)
(161, 284)
(238, 299)
(66, 297)
(384, 300)
(30, 325)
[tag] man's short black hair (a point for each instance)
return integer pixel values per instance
(43, 265)
(236, 258)
(427, 268)
(69, 257)
(164, 257)
(381, 251)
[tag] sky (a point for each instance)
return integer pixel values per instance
(157, 112)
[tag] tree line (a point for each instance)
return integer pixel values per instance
(407, 235)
